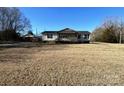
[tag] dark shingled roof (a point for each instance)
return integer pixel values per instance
(67, 30)
(49, 32)
(84, 32)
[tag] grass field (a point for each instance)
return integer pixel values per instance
(67, 64)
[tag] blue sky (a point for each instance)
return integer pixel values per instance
(78, 18)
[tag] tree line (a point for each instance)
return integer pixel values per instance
(13, 24)
(111, 31)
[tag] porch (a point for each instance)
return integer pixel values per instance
(68, 37)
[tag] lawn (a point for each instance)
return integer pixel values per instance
(67, 64)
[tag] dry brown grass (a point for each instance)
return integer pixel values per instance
(69, 64)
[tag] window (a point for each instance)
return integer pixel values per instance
(49, 35)
(79, 36)
(86, 36)
(63, 36)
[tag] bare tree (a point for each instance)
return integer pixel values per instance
(3, 18)
(112, 30)
(111, 25)
(11, 19)
(121, 30)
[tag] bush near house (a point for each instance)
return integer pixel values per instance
(9, 35)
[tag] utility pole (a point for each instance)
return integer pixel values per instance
(36, 31)
(120, 36)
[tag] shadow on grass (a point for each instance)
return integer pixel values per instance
(43, 46)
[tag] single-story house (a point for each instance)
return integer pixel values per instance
(66, 35)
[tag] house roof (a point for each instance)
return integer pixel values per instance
(67, 30)
(49, 32)
(84, 32)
